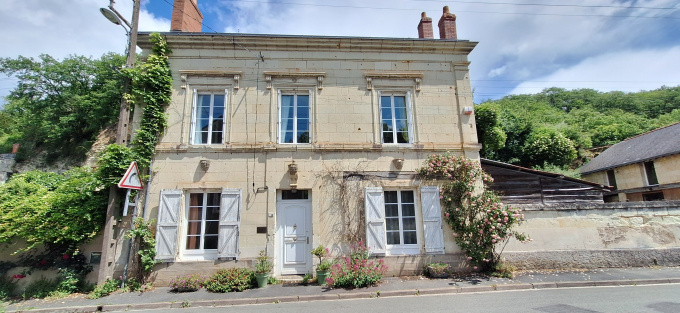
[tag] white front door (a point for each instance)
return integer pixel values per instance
(293, 234)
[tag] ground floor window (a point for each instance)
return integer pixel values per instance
(400, 218)
(203, 222)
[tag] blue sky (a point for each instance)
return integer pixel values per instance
(524, 45)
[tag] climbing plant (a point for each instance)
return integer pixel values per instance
(480, 222)
(143, 239)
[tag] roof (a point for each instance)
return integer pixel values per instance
(654, 144)
(543, 173)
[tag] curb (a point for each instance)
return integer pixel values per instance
(352, 295)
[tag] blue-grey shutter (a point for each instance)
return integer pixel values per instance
(230, 220)
(375, 220)
(167, 226)
(432, 220)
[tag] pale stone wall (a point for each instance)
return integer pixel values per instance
(607, 235)
(668, 169)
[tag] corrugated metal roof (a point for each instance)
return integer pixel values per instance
(657, 143)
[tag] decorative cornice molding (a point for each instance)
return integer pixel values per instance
(269, 75)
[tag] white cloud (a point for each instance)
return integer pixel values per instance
(64, 27)
(629, 71)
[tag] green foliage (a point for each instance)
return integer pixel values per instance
(187, 283)
(263, 265)
(325, 265)
(564, 170)
(7, 287)
(113, 162)
(52, 209)
(105, 289)
(356, 270)
(60, 106)
(306, 279)
(546, 145)
(41, 288)
(437, 270)
(585, 117)
(144, 239)
(231, 279)
(477, 217)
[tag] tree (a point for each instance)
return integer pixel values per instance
(60, 106)
(546, 145)
(490, 134)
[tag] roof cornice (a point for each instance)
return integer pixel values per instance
(257, 42)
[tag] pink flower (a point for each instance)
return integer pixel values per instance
(469, 258)
(65, 256)
(447, 214)
(474, 268)
(18, 276)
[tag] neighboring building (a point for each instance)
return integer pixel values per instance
(641, 168)
(283, 143)
(521, 185)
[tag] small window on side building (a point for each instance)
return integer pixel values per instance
(650, 172)
(611, 178)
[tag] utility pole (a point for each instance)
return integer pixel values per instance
(108, 263)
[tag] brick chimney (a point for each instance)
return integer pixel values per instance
(447, 25)
(186, 17)
(425, 27)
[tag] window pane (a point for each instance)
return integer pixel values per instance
(388, 137)
(294, 195)
(194, 228)
(210, 242)
(193, 242)
(387, 125)
(402, 137)
(385, 102)
(287, 124)
(393, 238)
(214, 199)
(204, 137)
(302, 101)
(409, 223)
(391, 210)
(400, 102)
(392, 223)
(303, 137)
(400, 113)
(195, 214)
(196, 199)
(303, 112)
(410, 238)
(407, 196)
(216, 137)
(391, 197)
(211, 227)
(408, 210)
(401, 125)
(287, 137)
(212, 214)
(203, 124)
(303, 124)
(203, 109)
(386, 113)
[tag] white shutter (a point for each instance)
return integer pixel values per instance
(432, 220)
(168, 222)
(230, 213)
(375, 220)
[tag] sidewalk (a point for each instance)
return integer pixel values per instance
(161, 297)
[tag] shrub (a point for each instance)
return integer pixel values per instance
(263, 265)
(187, 283)
(7, 286)
(105, 289)
(41, 288)
(436, 270)
(356, 271)
(231, 279)
(324, 266)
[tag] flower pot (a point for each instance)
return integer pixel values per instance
(321, 277)
(262, 279)
(432, 273)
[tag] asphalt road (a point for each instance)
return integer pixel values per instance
(646, 298)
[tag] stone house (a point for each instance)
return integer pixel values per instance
(641, 168)
(283, 143)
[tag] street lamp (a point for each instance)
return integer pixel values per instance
(107, 264)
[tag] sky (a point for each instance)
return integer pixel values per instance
(524, 46)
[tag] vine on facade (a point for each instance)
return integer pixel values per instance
(480, 222)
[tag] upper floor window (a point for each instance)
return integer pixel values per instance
(394, 118)
(611, 178)
(208, 118)
(294, 118)
(650, 172)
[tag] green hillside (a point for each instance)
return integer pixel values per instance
(554, 129)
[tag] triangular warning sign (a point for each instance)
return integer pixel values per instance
(131, 178)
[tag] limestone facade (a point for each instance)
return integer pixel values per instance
(291, 197)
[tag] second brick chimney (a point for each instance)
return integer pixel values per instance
(447, 25)
(186, 17)
(425, 27)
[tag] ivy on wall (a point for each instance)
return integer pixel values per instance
(480, 222)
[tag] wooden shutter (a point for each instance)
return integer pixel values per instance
(168, 222)
(375, 220)
(230, 220)
(432, 220)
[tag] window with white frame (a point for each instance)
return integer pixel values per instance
(400, 218)
(203, 218)
(394, 118)
(205, 227)
(208, 118)
(294, 113)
